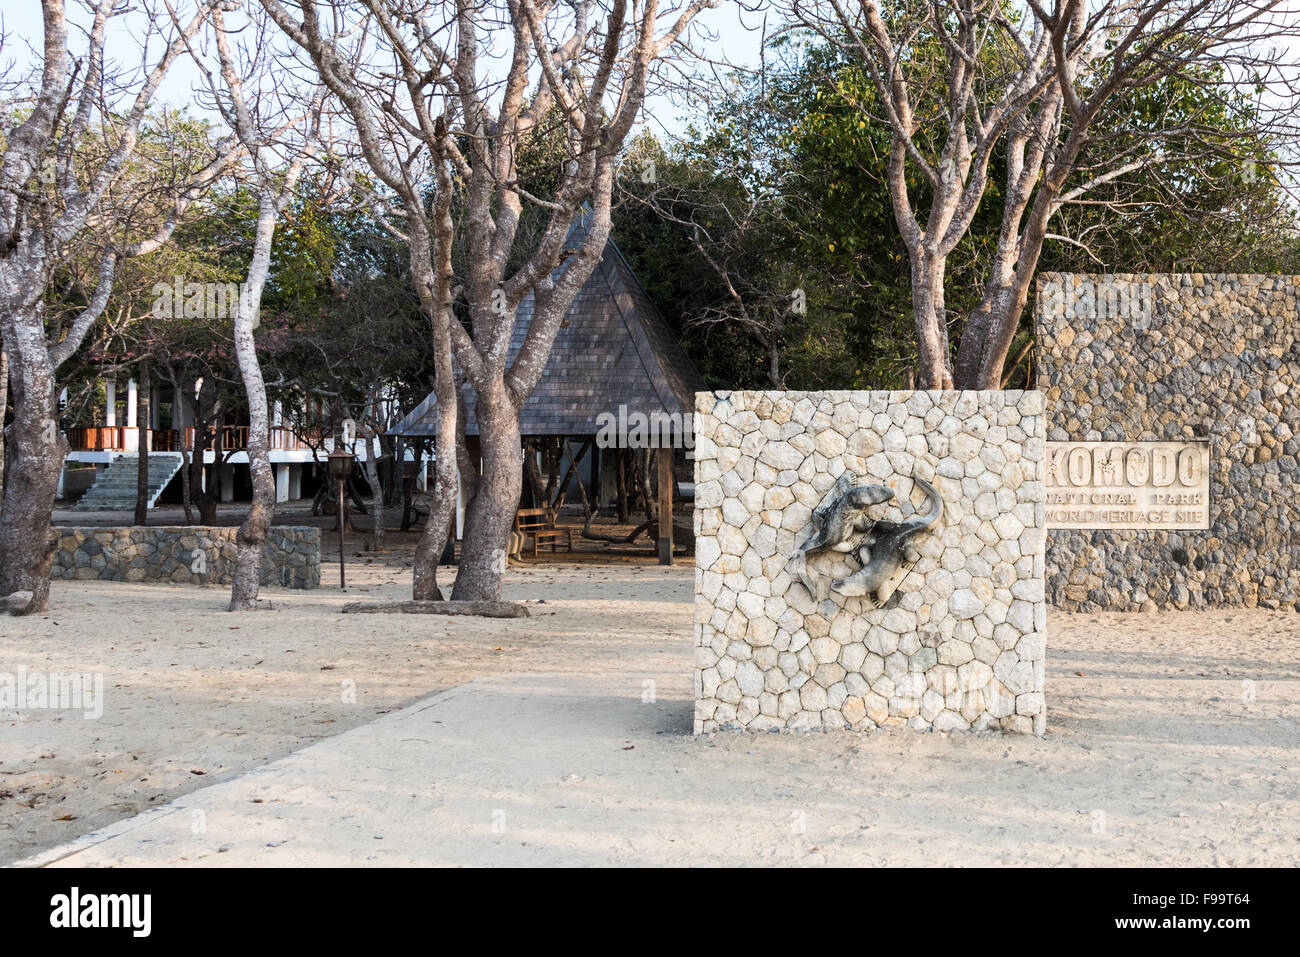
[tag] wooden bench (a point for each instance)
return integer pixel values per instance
(540, 524)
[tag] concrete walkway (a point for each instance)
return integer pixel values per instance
(568, 770)
(490, 772)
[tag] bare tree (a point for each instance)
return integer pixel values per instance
(4, 407)
(276, 160)
(957, 81)
(82, 123)
(576, 69)
(409, 157)
(379, 413)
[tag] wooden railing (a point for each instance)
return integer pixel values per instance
(113, 438)
(103, 438)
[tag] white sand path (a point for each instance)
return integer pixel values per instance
(537, 747)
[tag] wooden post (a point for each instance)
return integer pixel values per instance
(665, 506)
(342, 520)
(620, 484)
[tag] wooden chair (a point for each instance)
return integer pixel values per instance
(540, 524)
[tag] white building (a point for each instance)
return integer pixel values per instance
(297, 454)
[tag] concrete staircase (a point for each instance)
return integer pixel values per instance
(114, 490)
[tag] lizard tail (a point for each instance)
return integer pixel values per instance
(936, 503)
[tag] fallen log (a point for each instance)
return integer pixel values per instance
(617, 539)
(683, 534)
(484, 609)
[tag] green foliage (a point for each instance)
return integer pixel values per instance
(796, 147)
(783, 181)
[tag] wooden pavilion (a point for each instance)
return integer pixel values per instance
(617, 382)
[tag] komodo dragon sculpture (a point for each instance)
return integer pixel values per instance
(883, 555)
(840, 524)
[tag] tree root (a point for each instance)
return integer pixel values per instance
(16, 604)
(485, 609)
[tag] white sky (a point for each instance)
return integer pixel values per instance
(734, 35)
(735, 30)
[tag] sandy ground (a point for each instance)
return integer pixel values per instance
(1172, 738)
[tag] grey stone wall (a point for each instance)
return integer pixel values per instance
(961, 646)
(1173, 358)
(195, 555)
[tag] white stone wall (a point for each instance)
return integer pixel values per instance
(962, 648)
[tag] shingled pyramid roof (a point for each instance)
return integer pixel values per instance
(613, 349)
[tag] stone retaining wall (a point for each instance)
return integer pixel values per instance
(195, 555)
(1177, 358)
(961, 645)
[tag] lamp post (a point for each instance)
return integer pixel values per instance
(340, 468)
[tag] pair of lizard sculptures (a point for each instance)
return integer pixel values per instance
(840, 524)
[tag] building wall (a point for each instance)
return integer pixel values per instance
(1165, 358)
(191, 554)
(963, 648)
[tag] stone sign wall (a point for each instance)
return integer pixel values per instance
(1128, 485)
(190, 554)
(959, 645)
(1213, 359)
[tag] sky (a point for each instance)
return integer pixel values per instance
(734, 31)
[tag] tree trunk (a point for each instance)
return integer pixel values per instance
(1004, 319)
(186, 480)
(203, 480)
(143, 388)
(4, 408)
(408, 487)
(395, 449)
(490, 517)
(533, 473)
(38, 448)
(933, 358)
(208, 501)
(974, 368)
(1011, 296)
(773, 343)
(643, 480)
(467, 465)
(620, 479)
(428, 551)
(434, 287)
(553, 461)
(252, 533)
(394, 462)
(177, 424)
(197, 466)
(377, 498)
